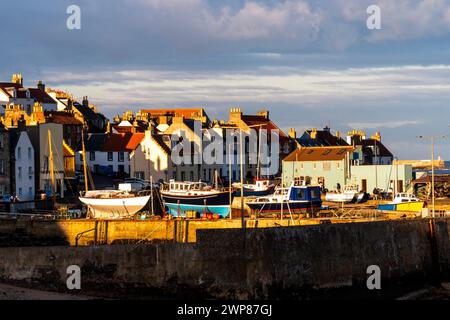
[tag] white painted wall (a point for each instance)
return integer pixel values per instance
(101, 159)
(24, 168)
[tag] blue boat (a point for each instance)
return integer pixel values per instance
(295, 199)
(183, 197)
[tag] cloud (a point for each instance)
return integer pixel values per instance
(384, 124)
(266, 85)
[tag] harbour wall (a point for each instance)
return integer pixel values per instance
(278, 262)
(89, 232)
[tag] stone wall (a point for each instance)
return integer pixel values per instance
(280, 262)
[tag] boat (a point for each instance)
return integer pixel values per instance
(261, 187)
(185, 197)
(293, 199)
(349, 194)
(403, 202)
(114, 204)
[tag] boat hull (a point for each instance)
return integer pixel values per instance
(114, 208)
(216, 203)
(291, 207)
(415, 206)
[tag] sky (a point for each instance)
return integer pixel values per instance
(312, 63)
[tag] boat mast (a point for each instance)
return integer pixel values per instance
(229, 176)
(84, 160)
(242, 178)
(259, 155)
(52, 169)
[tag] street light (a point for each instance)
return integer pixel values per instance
(432, 139)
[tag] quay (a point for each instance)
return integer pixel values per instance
(318, 261)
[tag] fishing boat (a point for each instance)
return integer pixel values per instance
(114, 204)
(349, 194)
(199, 197)
(261, 187)
(294, 199)
(403, 202)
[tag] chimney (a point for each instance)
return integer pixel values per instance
(292, 133)
(163, 120)
(377, 136)
(85, 102)
(17, 78)
(314, 133)
(327, 129)
(235, 114)
(41, 86)
(21, 123)
(263, 113)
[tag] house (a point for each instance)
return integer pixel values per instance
(368, 151)
(72, 126)
(257, 122)
(14, 93)
(22, 164)
(318, 138)
(109, 153)
(40, 135)
(151, 158)
(5, 172)
(331, 165)
(325, 166)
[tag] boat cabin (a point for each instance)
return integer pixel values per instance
(188, 186)
(405, 197)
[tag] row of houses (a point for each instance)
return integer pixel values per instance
(141, 145)
(33, 122)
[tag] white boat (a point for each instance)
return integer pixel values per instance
(113, 204)
(349, 194)
(405, 197)
(261, 187)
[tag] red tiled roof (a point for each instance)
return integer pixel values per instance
(319, 154)
(135, 140)
(186, 112)
(122, 142)
(62, 118)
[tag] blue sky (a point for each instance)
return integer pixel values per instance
(309, 62)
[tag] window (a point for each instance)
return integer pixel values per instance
(300, 194)
(30, 192)
(121, 156)
(92, 156)
(81, 157)
(139, 175)
(314, 166)
(19, 153)
(110, 156)
(110, 168)
(19, 172)
(29, 153)
(2, 166)
(183, 176)
(30, 172)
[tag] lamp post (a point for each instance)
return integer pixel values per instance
(433, 140)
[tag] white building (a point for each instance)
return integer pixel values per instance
(109, 153)
(151, 158)
(24, 168)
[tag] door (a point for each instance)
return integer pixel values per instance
(364, 185)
